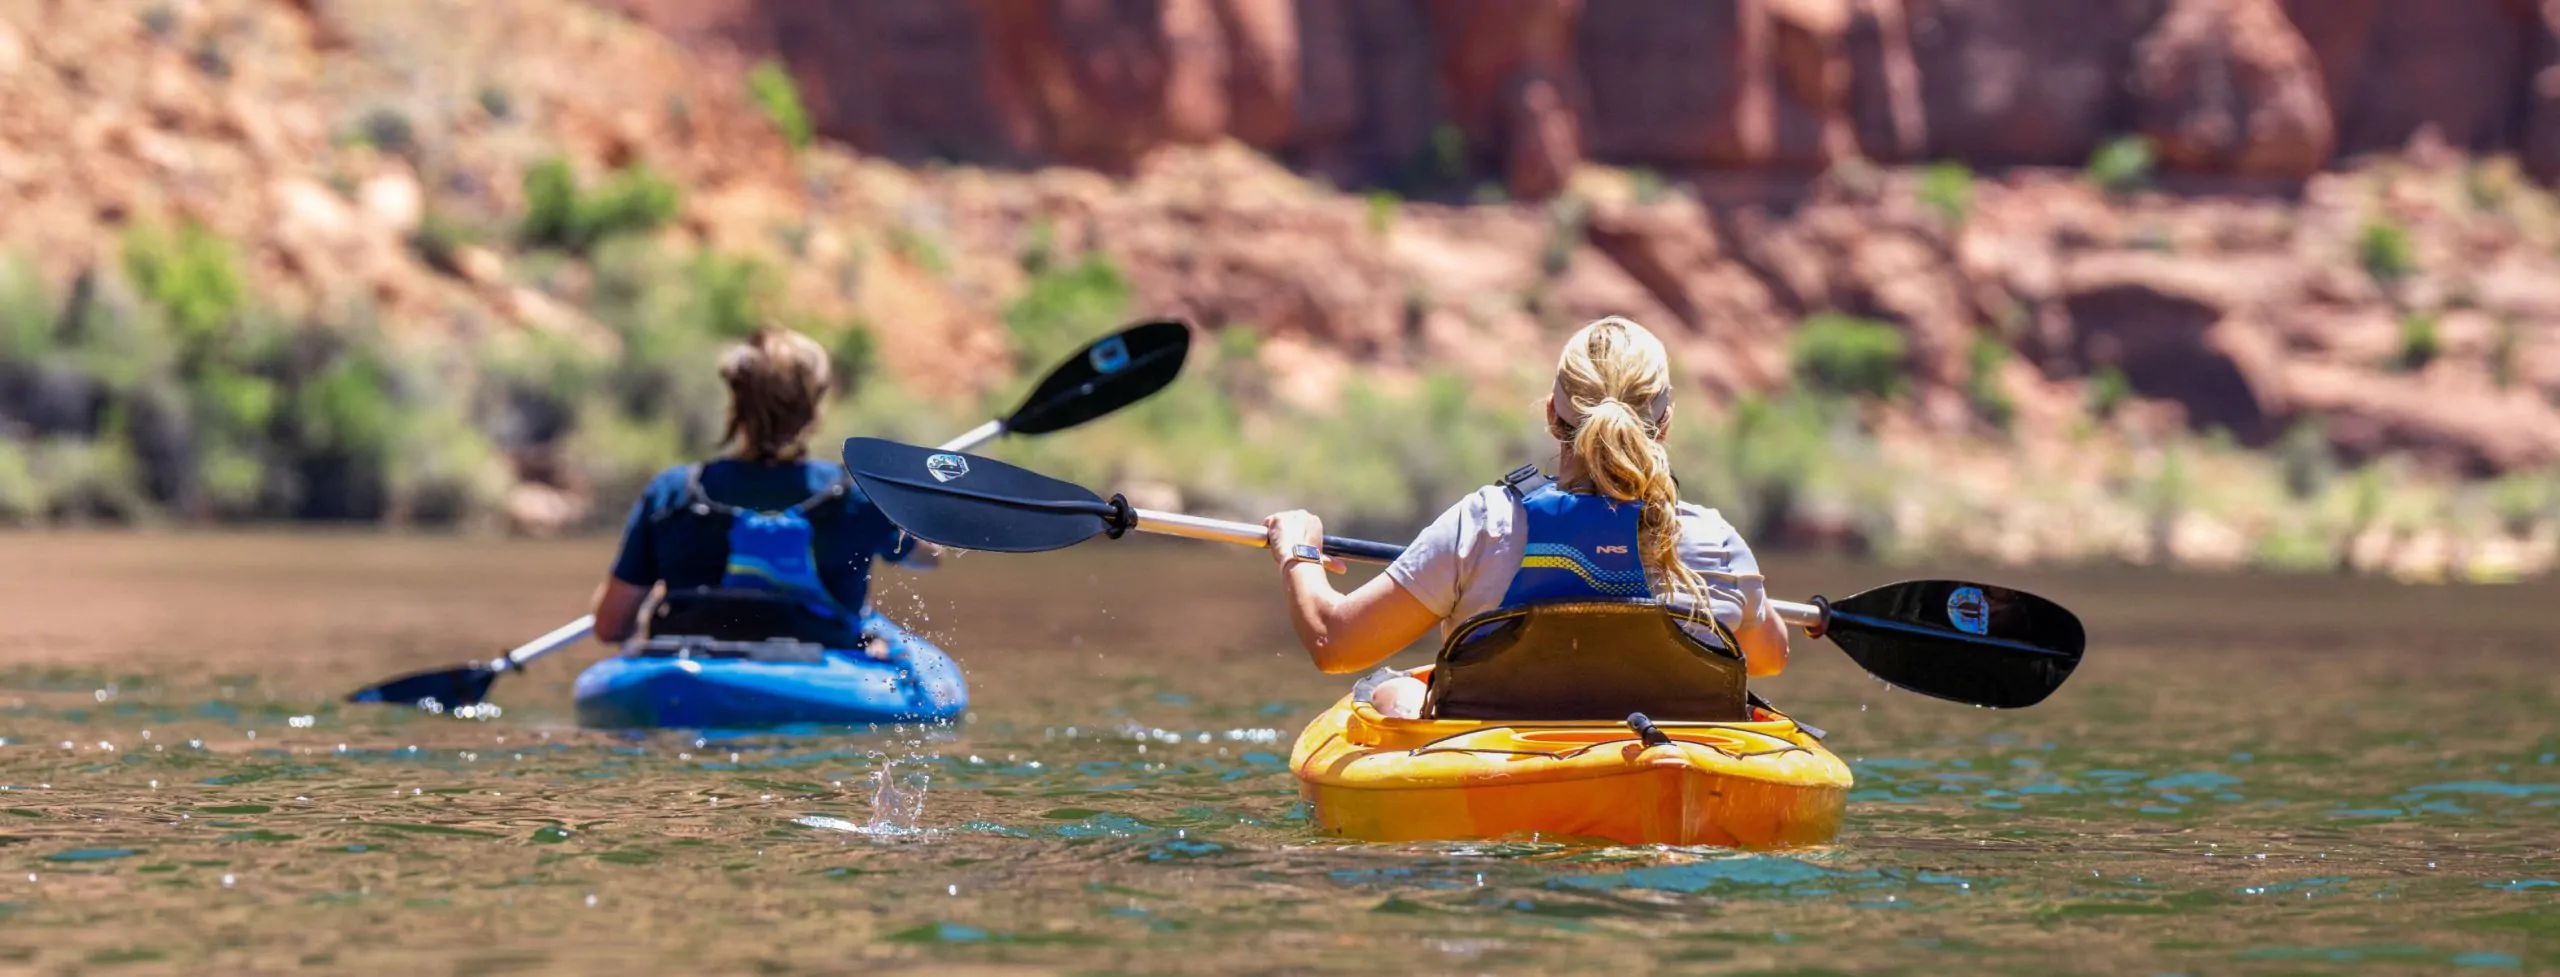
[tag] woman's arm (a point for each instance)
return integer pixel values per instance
(1342, 632)
(618, 609)
(1764, 644)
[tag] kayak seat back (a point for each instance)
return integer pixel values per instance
(1577, 661)
(730, 614)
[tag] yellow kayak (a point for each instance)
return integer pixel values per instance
(1765, 783)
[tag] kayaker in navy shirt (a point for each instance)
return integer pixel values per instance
(1611, 526)
(761, 525)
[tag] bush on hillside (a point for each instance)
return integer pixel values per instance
(559, 214)
(2122, 165)
(2385, 252)
(778, 95)
(1946, 188)
(1847, 355)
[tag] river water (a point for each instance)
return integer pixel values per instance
(2246, 776)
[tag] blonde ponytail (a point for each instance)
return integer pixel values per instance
(1612, 397)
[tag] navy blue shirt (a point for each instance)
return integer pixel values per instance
(685, 550)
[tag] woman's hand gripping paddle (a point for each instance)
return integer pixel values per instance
(1965, 642)
(1106, 375)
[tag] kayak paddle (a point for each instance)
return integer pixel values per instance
(1106, 375)
(1967, 642)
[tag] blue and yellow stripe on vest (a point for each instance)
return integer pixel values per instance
(1558, 556)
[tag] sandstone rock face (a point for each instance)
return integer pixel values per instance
(1354, 89)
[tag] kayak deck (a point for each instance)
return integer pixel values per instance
(915, 683)
(1760, 784)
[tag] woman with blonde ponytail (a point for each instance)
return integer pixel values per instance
(1610, 526)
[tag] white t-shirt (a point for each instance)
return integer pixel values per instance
(1461, 566)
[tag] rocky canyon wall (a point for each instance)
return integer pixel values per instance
(1357, 89)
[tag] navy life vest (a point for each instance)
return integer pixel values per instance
(769, 587)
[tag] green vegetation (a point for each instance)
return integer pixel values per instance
(496, 101)
(1039, 247)
(2122, 165)
(559, 214)
(1946, 188)
(1382, 206)
(389, 130)
(2419, 342)
(1847, 355)
(779, 97)
(1983, 386)
(2304, 458)
(2385, 252)
(2506, 348)
(2108, 389)
(1568, 226)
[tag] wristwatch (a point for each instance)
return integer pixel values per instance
(1302, 553)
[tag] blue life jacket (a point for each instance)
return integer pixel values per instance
(1577, 546)
(1585, 547)
(770, 582)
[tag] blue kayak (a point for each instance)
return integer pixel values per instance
(690, 683)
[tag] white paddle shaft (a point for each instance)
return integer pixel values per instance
(1248, 534)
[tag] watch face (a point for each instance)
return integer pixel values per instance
(1306, 552)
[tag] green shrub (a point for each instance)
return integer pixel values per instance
(1039, 247)
(438, 240)
(855, 353)
(920, 249)
(389, 130)
(2306, 460)
(1848, 355)
(1064, 308)
(191, 276)
(632, 201)
(778, 95)
(2522, 500)
(2506, 350)
(2419, 342)
(2122, 165)
(1947, 188)
(1568, 226)
(2384, 250)
(1382, 206)
(1984, 386)
(2107, 391)
(27, 314)
(22, 499)
(1647, 185)
(730, 296)
(496, 101)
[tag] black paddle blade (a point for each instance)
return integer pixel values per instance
(1968, 642)
(1112, 373)
(464, 685)
(970, 502)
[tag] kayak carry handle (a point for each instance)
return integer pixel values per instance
(1651, 734)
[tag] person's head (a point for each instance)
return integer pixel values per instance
(778, 380)
(1611, 408)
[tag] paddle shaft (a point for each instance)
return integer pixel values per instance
(578, 630)
(1805, 616)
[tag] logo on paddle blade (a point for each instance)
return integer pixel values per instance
(1109, 355)
(946, 467)
(1969, 611)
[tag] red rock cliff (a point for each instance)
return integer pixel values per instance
(1356, 88)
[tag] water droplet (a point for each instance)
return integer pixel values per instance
(955, 890)
(228, 881)
(155, 785)
(591, 900)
